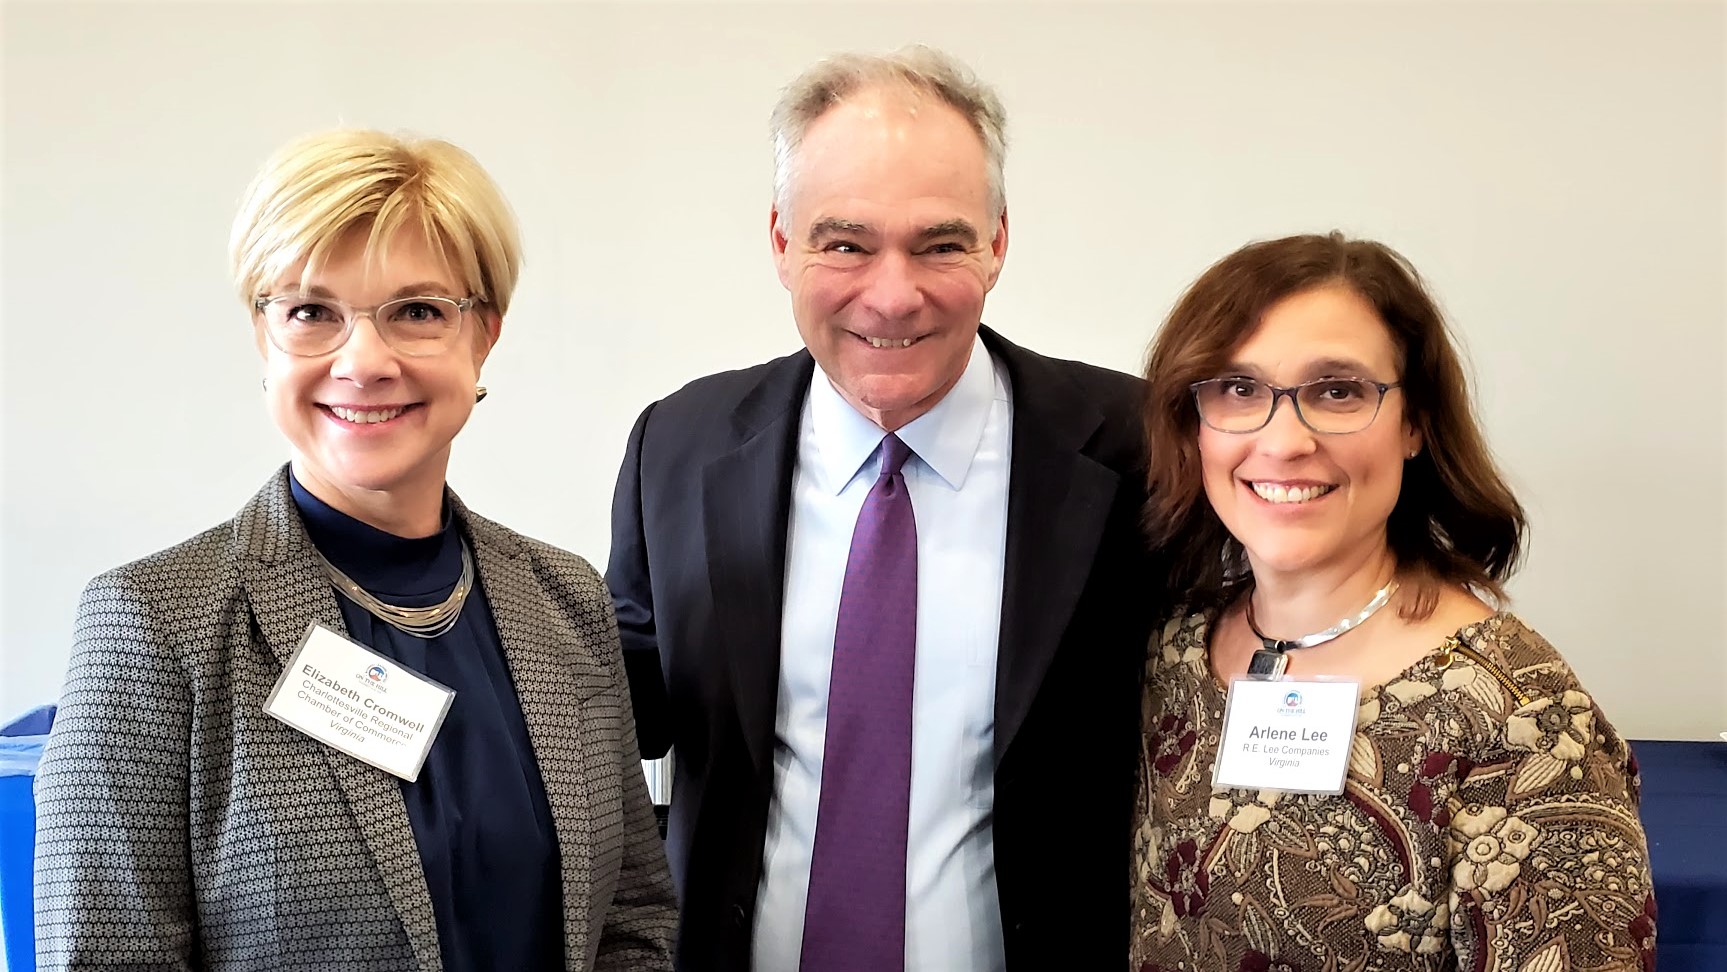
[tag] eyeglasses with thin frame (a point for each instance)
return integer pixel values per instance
(308, 326)
(1328, 406)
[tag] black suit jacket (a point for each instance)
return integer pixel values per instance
(697, 574)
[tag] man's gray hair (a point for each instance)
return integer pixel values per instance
(919, 69)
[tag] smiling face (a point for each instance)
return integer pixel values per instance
(1298, 500)
(364, 419)
(888, 249)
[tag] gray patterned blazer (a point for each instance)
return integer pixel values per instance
(179, 827)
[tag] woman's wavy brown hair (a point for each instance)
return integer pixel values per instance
(1455, 520)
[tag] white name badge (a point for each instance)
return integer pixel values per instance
(1284, 734)
(349, 697)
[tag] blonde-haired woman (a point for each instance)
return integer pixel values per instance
(357, 726)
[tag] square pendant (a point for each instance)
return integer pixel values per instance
(1267, 664)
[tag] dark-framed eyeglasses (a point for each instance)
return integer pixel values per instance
(1329, 406)
(308, 326)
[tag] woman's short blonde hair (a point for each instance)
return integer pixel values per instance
(319, 188)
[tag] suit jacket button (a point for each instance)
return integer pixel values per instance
(739, 916)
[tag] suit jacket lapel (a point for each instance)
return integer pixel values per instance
(287, 590)
(1058, 502)
(552, 678)
(746, 504)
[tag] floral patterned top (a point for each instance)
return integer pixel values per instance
(1488, 822)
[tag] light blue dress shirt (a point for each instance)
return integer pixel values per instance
(958, 480)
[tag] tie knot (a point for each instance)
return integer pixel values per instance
(894, 453)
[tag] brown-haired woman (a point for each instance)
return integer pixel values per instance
(1319, 461)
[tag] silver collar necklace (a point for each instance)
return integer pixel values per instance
(1271, 660)
(421, 622)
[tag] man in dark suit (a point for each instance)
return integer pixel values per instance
(887, 597)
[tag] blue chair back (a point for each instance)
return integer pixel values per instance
(20, 750)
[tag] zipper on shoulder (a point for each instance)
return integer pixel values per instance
(1456, 646)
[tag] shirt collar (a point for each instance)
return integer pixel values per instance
(381, 562)
(945, 438)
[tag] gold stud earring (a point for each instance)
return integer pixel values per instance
(479, 394)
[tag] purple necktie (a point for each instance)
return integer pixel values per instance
(856, 908)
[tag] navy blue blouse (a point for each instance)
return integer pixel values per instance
(478, 811)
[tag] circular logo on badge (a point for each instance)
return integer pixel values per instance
(1292, 700)
(376, 675)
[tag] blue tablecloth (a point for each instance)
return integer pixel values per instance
(1685, 815)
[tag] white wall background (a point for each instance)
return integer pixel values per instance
(1557, 171)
